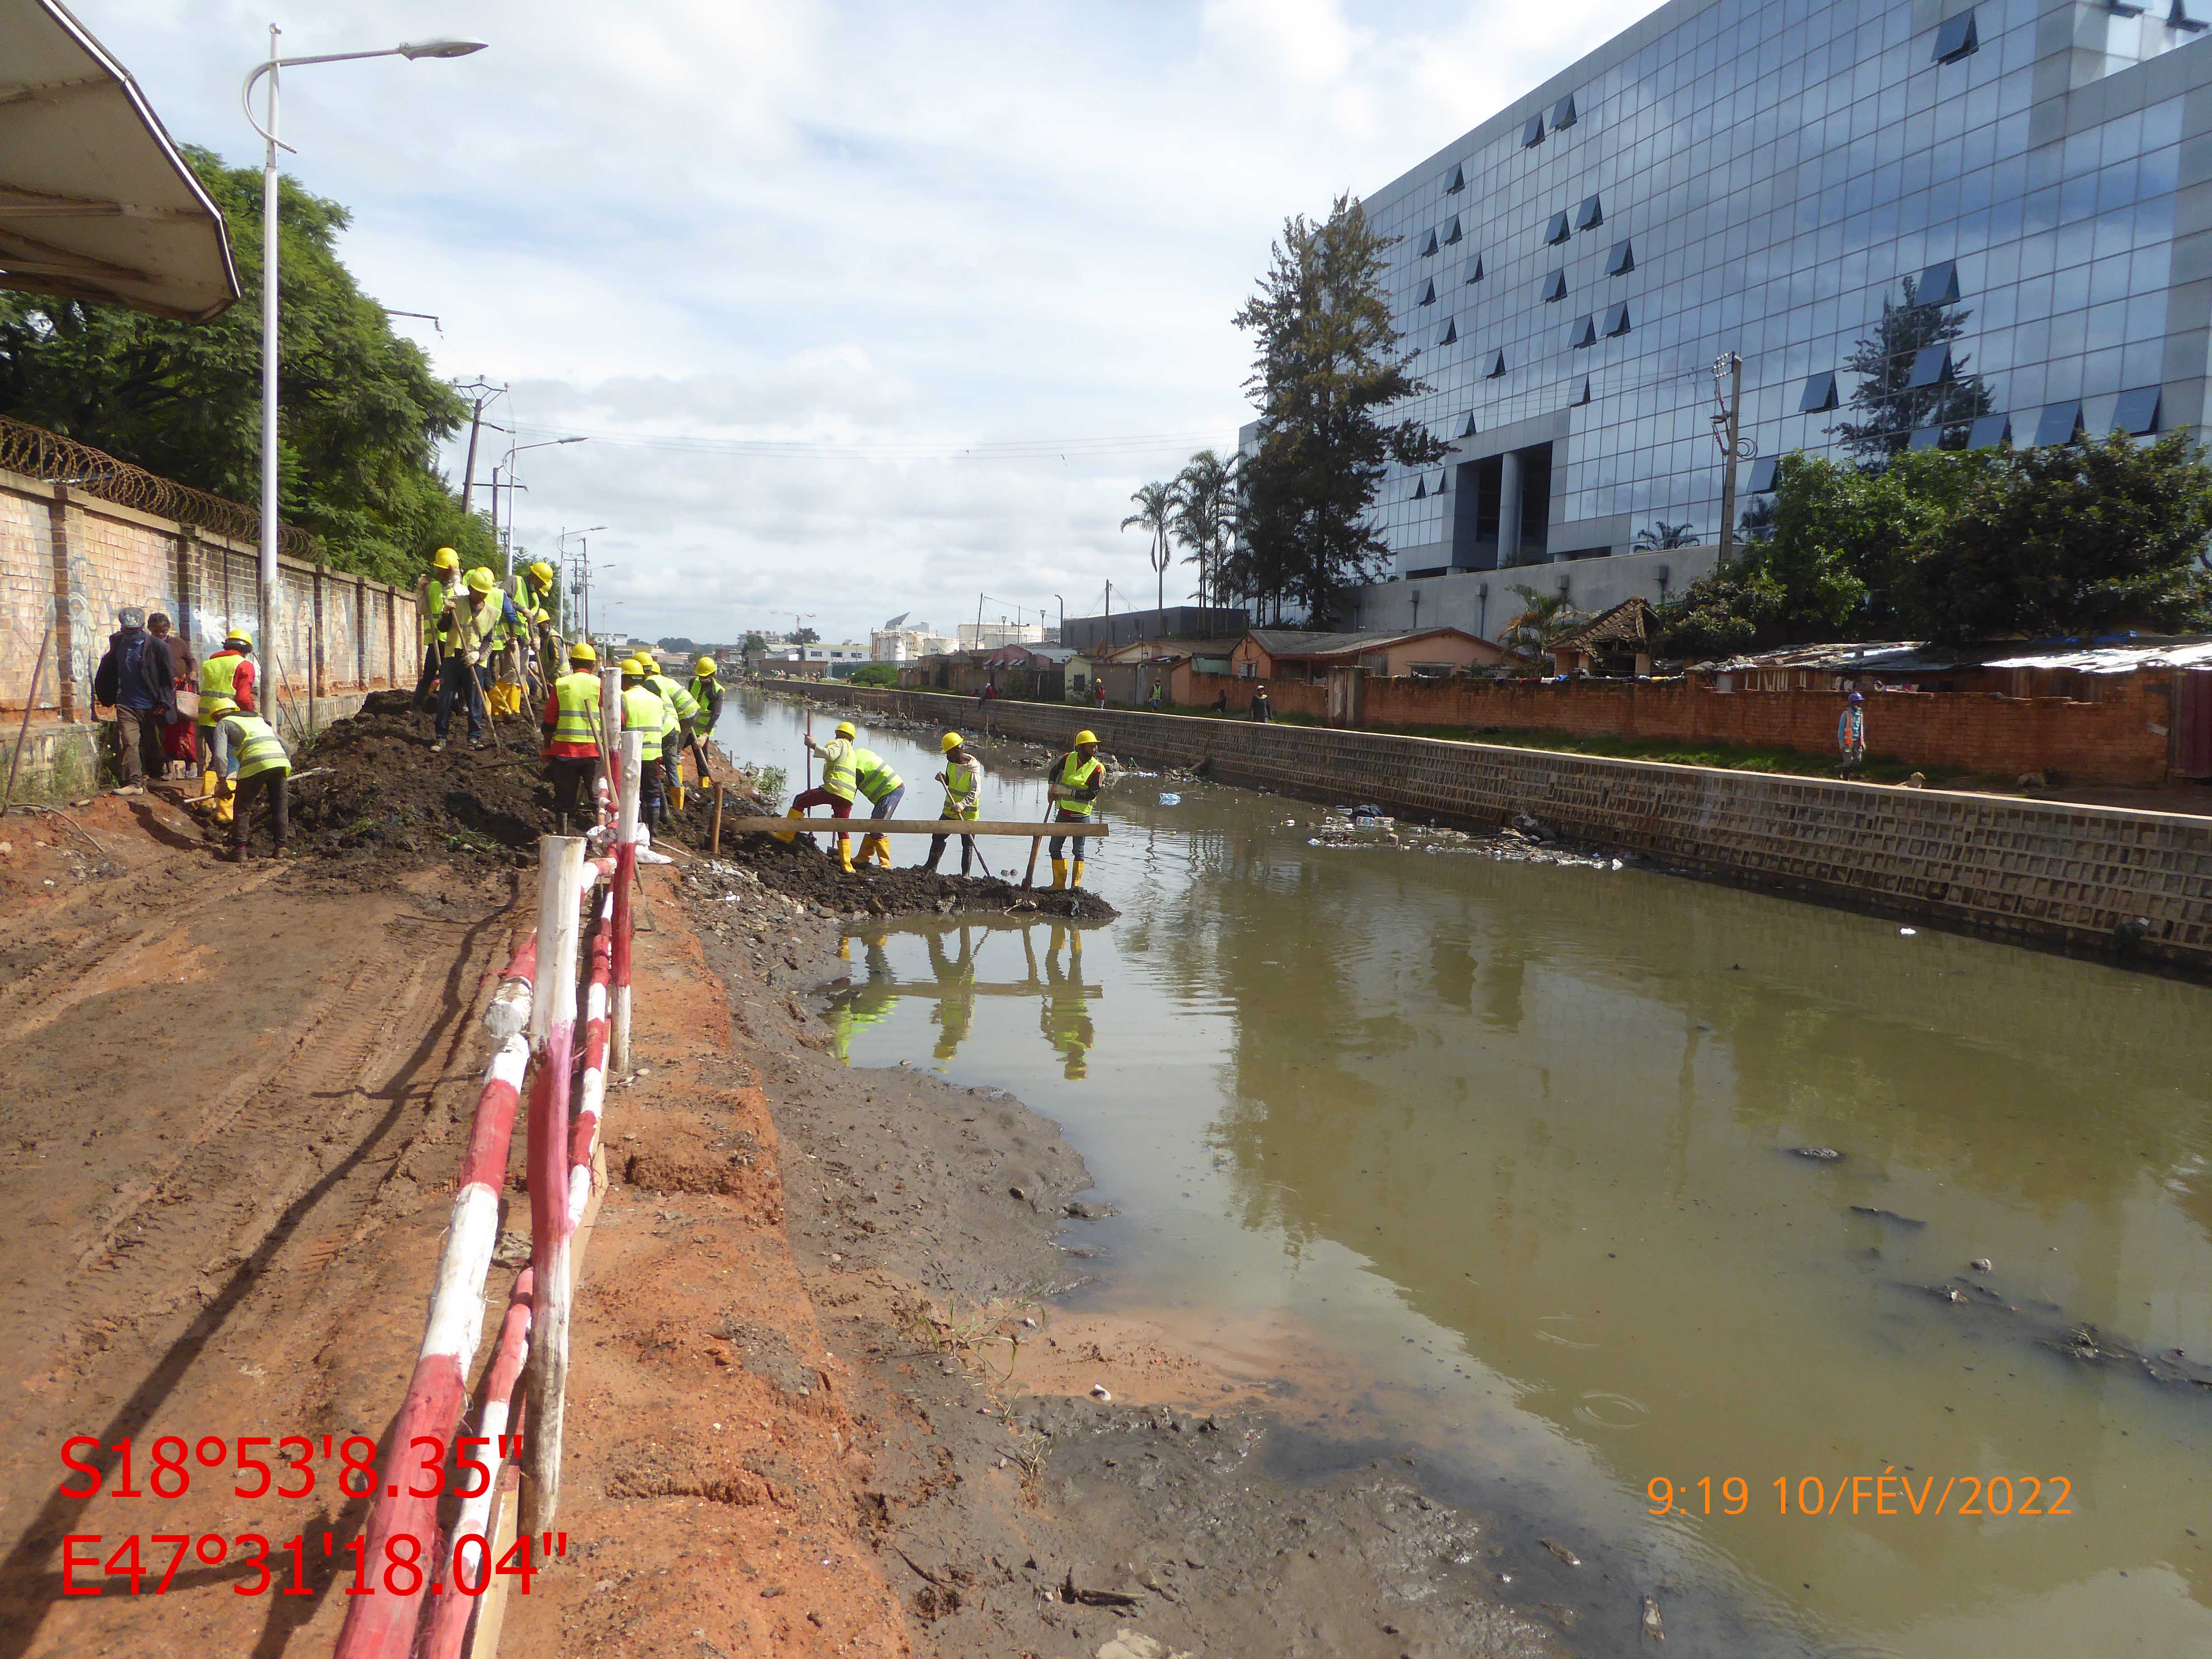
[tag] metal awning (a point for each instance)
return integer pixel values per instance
(96, 201)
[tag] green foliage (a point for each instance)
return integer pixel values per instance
(1205, 522)
(755, 642)
(1329, 364)
(679, 645)
(1155, 515)
(806, 636)
(875, 673)
(1544, 617)
(361, 411)
(1659, 536)
(1889, 410)
(2080, 538)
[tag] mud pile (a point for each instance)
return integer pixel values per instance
(800, 871)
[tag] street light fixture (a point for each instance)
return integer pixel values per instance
(507, 464)
(271, 68)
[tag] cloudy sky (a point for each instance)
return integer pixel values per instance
(865, 309)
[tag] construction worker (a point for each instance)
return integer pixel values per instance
(227, 685)
(645, 712)
(839, 778)
(706, 690)
(263, 769)
(686, 709)
(1073, 781)
(478, 615)
(571, 724)
(962, 778)
(528, 589)
(433, 608)
(885, 790)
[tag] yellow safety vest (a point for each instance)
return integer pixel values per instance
(643, 711)
(254, 745)
(218, 687)
(686, 708)
(433, 618)
(837, 767)
(962, 799)
(876, 780)
(576, 697)
(1074, 773)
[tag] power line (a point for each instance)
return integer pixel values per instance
(1021, 449)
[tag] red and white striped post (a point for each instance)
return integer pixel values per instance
(509, 1011)
(591, 1090)
(633, 767)
(382, 1626)
(611, 731)
(449, 1616)
(553, 1037)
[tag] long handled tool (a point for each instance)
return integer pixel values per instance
(1028, 876)
(476, 691)
(38, 675)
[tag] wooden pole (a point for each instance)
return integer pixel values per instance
(632, 769)
(553, 1038)
(714, 841)
(964, 827)
(1028, 876)
(38, 678)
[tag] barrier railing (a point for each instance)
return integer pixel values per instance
(457, 1572)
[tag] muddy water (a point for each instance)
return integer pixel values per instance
(1494, 1163)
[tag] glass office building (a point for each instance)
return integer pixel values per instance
(1761, 176)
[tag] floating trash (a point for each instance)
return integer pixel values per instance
(1167, 800)
(1907, 933)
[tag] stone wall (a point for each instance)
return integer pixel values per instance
(2034, 872)
(2120, 738)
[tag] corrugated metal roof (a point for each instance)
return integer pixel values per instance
(2117, 659)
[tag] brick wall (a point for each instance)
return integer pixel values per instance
(2036, 871)
(2120, 738)
(97, 557)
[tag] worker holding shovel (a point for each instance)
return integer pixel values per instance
(1074, 782)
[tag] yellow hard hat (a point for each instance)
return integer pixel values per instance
(948, 742)
(633, 669)
(582, 651)
(539, 615)
(543, 572)
(845, 729)
(238, 636)
(1082, 738)
(445, 559)
(704, 666)
(481, 580)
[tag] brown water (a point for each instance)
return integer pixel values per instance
(1493, 1162)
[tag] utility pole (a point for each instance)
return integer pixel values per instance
(1727, 432)
(485, 392)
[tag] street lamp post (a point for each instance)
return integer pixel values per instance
(513, 450)
(268, 280)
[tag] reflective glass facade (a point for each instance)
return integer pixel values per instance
(1759, 178)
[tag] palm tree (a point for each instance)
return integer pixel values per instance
(1156, 508)
(1657, 537)
(1544, 617)
(1205, 516)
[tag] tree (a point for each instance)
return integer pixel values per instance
(2074, 538)
(805, 636)
(1658, 536)
(755, 642)
(1543, 619)
(1205, 517)
(361, 410)
(1891, 409)
(679, 646)
(1329, 365)
(1155, 515)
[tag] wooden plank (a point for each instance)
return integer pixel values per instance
(907, 827)
(491, 1607)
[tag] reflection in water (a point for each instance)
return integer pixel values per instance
(1506, 1153)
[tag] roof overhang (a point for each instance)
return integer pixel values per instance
(96, 202)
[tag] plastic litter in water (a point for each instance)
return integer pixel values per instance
(1167, 800)
(1907, 933)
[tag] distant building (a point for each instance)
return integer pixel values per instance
(989, 636)
(1283, 653)
(1183, 622)
(908, 644)
(814, 662)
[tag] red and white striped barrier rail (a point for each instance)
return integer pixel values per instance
(449, 1616)
(510, 1005)
(633, 763)
(591, 1089)
(382, 1626)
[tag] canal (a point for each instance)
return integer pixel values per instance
(1503, 1165)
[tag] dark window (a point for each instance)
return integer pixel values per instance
(1558, 230)
(1562, 113)
(1584, 333)
(2178, 18)
(1820, 393)
(1421, 490)
(1474, 269)
(1451, 230)
(1439, 490)
(1925, 437)
(1988, 431)
(1468, 431)
(1582, 394)
(2058, 424)
(1428, 292)
(1956, 38)
(1497, 366)
(1449, 334)
(1621, 260)
(1938, 284)
(1931, 366)
(2138, 412)
(1428, 245)
(2122, 9)
(1555, 285)
(1533, 132)
(1616, 318)
(1762, 476)
(1589, 216)
(1456, 180)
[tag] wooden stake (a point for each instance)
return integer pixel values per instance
(715, 842)
(38, 675)
(633, 770)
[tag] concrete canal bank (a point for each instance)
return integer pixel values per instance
(2067, 877)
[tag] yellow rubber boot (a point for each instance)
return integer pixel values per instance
(884, 851)
(207, 783)
(787, 836)
(226, 802)
(845, 853)
(1075, 874)
(1059, 876)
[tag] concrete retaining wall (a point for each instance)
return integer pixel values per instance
(2033, 871)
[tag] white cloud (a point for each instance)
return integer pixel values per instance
(860, 223)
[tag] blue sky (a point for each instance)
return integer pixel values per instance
(890, 232)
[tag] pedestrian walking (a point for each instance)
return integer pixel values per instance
(1850, 735)
(962, 778)
(1073, 782)
(1262, 710)
(136, 679)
